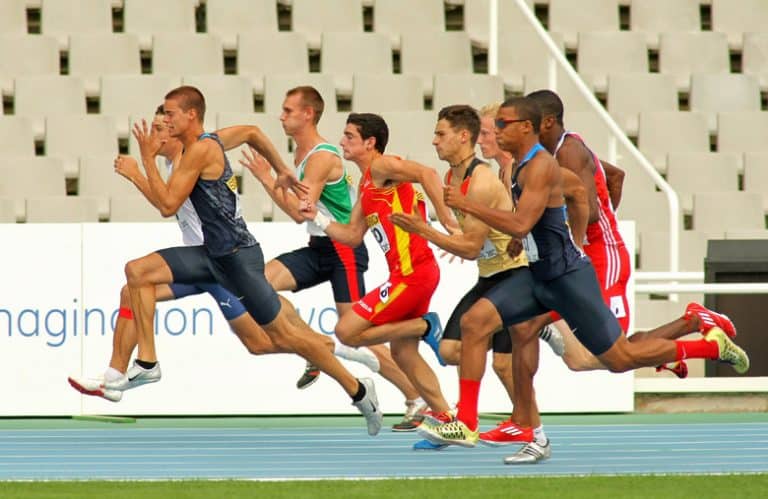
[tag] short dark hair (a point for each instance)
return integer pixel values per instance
(159, 110)
(549, 103)
(310, 97)
(527, 109)
(189, 98)
(462, 117)
(371, 125)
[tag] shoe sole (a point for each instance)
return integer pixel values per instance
(307, 385)
(93, 393)
(730, 345)
(491, 443)
(436, 439)
(405, 430)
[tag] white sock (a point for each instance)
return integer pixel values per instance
(112, 374)
(361, 355)
(539, 436)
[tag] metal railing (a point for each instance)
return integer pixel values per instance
(617, 134)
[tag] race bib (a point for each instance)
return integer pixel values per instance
(529, 245)
(487, 251)
(616, 303)
(374, 224)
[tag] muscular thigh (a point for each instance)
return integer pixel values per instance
(188, 264)
(576, 297)
(514, 299)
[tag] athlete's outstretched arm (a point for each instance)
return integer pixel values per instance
(252, 135)
(402, 170)
(172, 195)
(539, 181)
(614, 177)
(350, 234)
(578, 207)
(466, 243)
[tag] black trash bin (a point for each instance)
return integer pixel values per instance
(736, 261)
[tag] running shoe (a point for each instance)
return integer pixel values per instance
(730, 353)
(369, 407)
(554, 338)
(361, 355)
(709, 319)
(136, 376)
(427, 445)
(436, 418)
(678, 368)
(530, 453)
(311, 373)
(507, 432)
(95, 388)
(434, 334)
(452, 433)
(414, 415)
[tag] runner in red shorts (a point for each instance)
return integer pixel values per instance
(396, 311)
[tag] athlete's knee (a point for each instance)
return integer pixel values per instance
(135, 273)
(346, 335)
(502, 365)
(474, 324)
(450, 351)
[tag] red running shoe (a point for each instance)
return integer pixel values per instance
(709, 319)
(507, 432)
(679, 368)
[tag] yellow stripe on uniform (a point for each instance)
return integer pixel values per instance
(397, 291)
(402, 239)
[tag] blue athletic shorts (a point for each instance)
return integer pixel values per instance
(327, 260)
(228, 303)
(575, 296)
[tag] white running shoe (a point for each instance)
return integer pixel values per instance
(94, 387)
(136, 376)
(530, 453)
(554, 338)
(362, 355)
(369, 407)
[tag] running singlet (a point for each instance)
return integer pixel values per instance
(404, 251)
(218, 206)
(604, 242)
(189, 222)
(336, 198)
(493, 257)
(550, 249)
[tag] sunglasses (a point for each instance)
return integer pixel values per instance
(502, 123)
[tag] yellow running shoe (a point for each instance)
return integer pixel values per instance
(729, 351)
(452, 433)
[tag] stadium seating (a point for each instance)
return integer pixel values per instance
(682, 54)
(148, 18)
(426, 53)
(13, 17)
(62, 209)
(287, 53)
(736, 17)
(313, 18)
(387, 92)
(64, 18)
(41, 58)
(17, 137)
(346, 53)
(228, 19)
(424, 15)
(653, 17)
(631, 93)
(92, 57)
(570, 18)
(701, 99)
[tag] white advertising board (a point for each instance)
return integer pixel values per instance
(59, 296)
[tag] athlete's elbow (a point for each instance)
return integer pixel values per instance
(168, 211)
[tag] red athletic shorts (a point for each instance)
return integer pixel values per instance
(615, 267)
(400, 298)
